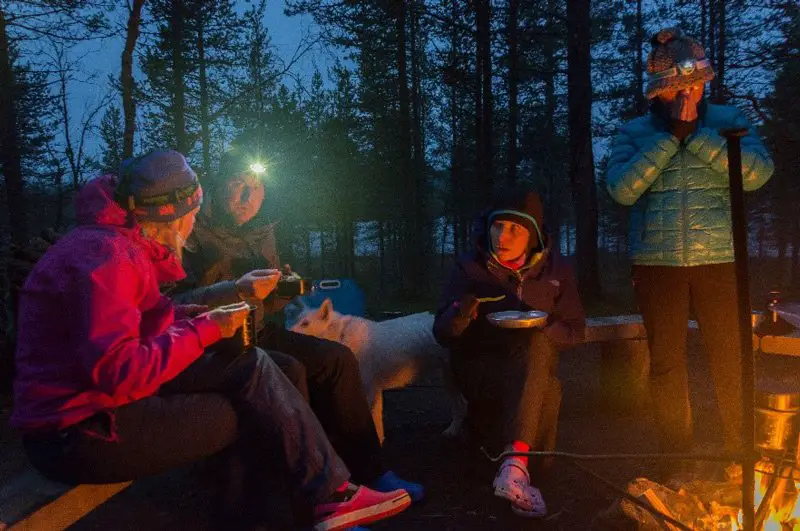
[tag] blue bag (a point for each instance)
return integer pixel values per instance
(345, 294)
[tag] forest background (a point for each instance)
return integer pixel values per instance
(389, 122)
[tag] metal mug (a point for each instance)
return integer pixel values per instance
(776, 420)
(249, 334)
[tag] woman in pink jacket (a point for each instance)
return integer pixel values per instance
(114, 381)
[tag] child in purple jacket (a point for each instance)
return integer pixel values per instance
(508, 376)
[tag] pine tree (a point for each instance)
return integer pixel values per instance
(59, 20)
(192, 70)
(112, 133)
(581, 151)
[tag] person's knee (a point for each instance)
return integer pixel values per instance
(251, 365)
(540, 354)
(294, 370)
(338, 358)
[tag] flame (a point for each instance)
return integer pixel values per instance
(761, 482)
(795, 514)
(785, 509)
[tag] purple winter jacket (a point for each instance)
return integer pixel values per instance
(545, 283)
(95, 333)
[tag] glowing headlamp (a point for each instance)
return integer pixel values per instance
(257, 168)
(685, 67)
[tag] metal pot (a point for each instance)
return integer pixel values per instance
(776, 420)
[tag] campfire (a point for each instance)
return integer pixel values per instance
(707, 505)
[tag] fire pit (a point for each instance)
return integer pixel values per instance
(702, 504)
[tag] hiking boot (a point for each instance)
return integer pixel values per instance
(356, 505)
(389, 482)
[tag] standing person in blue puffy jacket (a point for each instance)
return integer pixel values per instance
(671, 167)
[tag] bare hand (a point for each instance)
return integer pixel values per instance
(468, 306)
(230, 318)
(257, 284)
(684, 108)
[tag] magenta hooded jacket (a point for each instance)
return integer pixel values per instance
(95, 332)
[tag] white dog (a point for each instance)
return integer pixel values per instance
(391, 354)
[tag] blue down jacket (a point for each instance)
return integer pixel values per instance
(681, 214)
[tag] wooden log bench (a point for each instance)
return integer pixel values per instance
(31, 502)
(624, 361)
(625, 357)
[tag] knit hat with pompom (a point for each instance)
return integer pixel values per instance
(676, 62)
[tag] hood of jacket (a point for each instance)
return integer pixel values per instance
(95, 206)
(528, 203)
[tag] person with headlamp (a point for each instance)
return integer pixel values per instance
(115, 381)
(232, 256)
(671, 167)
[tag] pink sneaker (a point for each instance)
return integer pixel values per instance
(359, 505)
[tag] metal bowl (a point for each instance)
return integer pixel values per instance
(517, 319)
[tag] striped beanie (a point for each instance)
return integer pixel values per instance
(158, 186)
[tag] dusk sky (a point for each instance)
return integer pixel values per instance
(101, 58)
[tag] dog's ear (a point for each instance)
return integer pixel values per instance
(325, 310)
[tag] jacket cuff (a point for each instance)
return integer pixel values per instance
(208, 330)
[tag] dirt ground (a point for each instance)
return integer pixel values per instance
(457, 477)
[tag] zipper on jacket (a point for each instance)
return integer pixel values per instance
(685, 194)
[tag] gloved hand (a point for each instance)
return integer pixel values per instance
(230, 318)
(257, 284)
(468, 306)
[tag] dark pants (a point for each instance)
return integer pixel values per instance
(512, 389)
(218, 401)
(328, 374)
(665, 295)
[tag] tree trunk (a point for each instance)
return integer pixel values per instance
(456, 186)
(127, 82)
(205, 130)
(407, 258)
(11, 142)
(719, 81)
(351, 254)
(703, 23)
(73, 159)
(309, 258)
(381, 258)
(178, 68)
(553, 215)
(513, 88)
(641, 101)
(476, 197)
(59, 206)
(421, 240)
(712, 40)
(483, 20)
(579, 89)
